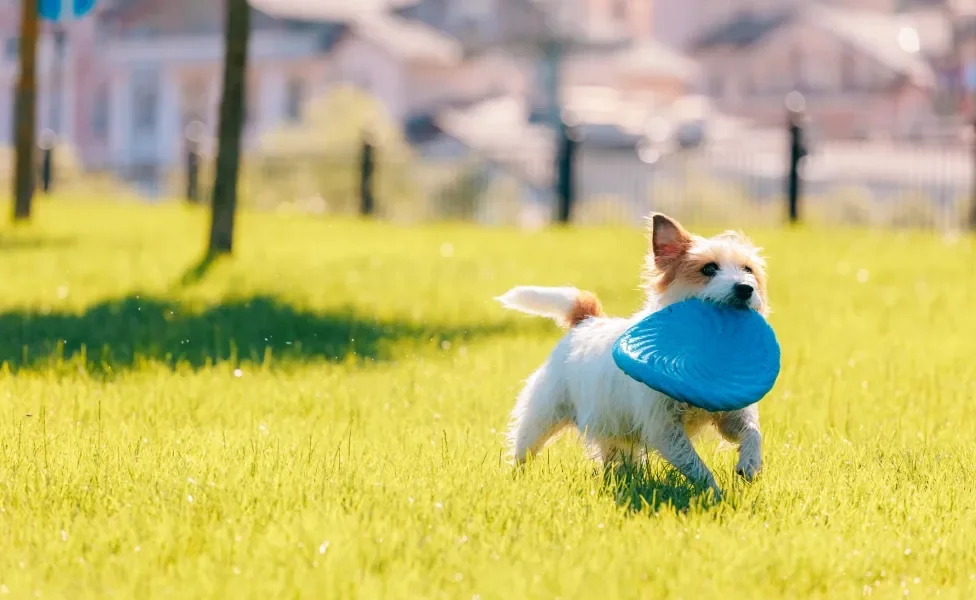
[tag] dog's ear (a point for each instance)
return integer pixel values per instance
(669, 240)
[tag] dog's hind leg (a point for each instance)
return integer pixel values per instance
(617, 452)
(540, 412)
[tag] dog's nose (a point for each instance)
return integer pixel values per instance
(742, 291)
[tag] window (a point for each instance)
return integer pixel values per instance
(145, 101)
(193, 99)
(716, 86)
(470, 13)
(11, 48)
(748, 83)
(868, 75)
(848, 72)
(799, 69)
(621, 10)
(294, 98)
(100, 112)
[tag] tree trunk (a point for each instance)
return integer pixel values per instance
(25, 111)
(231, 126)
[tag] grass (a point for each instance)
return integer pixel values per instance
(323, 415)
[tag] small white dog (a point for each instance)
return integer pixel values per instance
(619, 418)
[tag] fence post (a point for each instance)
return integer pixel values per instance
(192, 173)
(972, 200)
(367, 165)
(795, 105)
(566, 144)
(47, 142)
(193, 135)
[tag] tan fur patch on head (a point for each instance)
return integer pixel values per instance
(685, 270)
(587, 305)
(688, 270)
(742, 251)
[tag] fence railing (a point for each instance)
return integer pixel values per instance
(756, 178)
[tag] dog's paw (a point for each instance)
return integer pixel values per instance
(748, 468)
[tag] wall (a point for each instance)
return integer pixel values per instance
(47, 83)
(755, 81)
(374, 70)
(185, 74)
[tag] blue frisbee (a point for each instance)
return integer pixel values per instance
(716, 357)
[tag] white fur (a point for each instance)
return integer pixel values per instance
(620, 419)
(552, 302)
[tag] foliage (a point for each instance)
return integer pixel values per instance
(323, 417)
(70, 177)
(320, 156)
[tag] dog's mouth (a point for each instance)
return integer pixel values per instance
(740, 303)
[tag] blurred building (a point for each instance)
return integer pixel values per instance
(679, 22)
(862, 72)
(134, 74)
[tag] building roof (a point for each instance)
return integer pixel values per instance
(175, 17)
(893, 40)
(743, 29)
(901, 42)
(408, 40)
(962, 8)
(328, 10)
(498, 130)
(652, 58)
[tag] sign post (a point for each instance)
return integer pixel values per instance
(58, 12)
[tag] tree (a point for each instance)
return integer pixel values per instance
(25, 111)
(972, 213)
(230, 127)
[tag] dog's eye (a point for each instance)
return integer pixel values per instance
(747, 268)
(709, 270)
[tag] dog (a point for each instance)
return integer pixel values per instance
(618, 418)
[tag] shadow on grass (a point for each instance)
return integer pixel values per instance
(119, 334)
(641, 487)
(198, 271)
(25, 243)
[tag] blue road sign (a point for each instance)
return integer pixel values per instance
(64, 10)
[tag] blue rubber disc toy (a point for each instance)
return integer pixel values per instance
(715, 357)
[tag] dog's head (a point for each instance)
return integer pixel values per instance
(726, 268)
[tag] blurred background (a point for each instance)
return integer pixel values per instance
(844, 112)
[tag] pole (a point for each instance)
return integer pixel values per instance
(47, 160)
(566, 161)
(366, 168)
(797, 151)
(550, 71)
(57, 108)
(972, 201)
(25, 111)
(230, 129)
(192, 171)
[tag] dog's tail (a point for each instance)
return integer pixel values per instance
(568, 306)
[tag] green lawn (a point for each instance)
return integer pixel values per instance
(323, 417)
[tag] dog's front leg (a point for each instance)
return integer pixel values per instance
(676, 448)
(742, 427)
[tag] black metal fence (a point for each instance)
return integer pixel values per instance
(756, 177)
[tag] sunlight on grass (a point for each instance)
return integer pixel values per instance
(322, 416)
